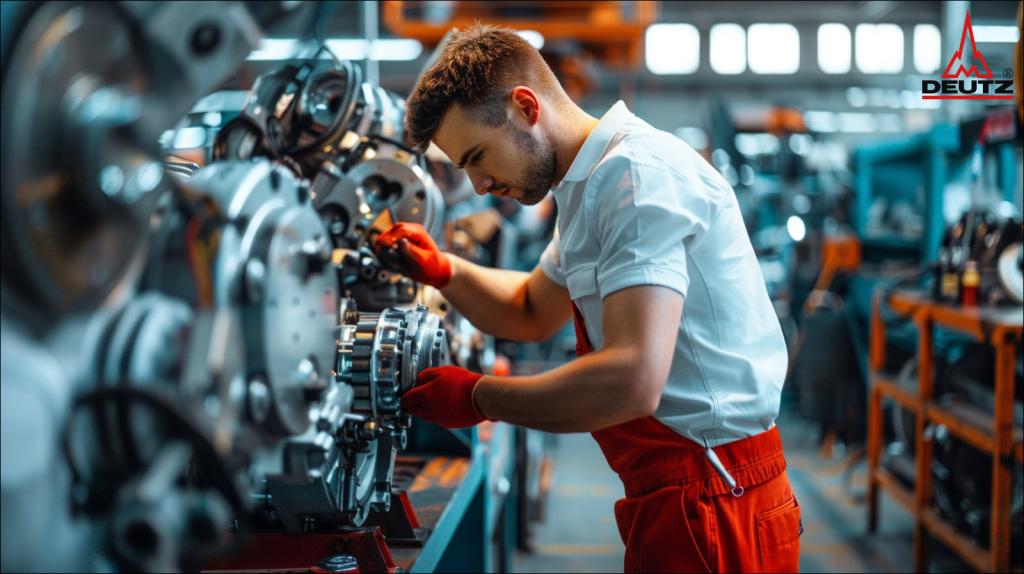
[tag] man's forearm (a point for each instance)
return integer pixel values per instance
(593, 392)
(494, 300)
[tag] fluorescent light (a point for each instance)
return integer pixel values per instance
(797, 228)
(694, 137)
(996, 34)
(892, 123)
(879, 48)
(821, 122)
(533, 37)
(927, 48)
(855, 123)
(399, 49)
(728, 49)
(275, 49)
(672, 49)
(773, 49)
(347, 49)
(834, 48)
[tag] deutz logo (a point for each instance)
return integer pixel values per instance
(956, 85)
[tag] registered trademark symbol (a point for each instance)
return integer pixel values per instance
(1008, 73)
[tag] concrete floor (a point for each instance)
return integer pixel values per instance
(580, 535)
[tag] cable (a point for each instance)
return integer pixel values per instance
(180, 427)
(395, 143)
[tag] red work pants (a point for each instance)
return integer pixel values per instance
(679, 515)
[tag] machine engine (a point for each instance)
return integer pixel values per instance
(219, 345)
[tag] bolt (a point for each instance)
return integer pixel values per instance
(340, 563)
(205, 39)
(259, 400)
(306, 375)
(255, 273)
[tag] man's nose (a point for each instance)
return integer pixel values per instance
(482, 184)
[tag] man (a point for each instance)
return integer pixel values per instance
(644, 222)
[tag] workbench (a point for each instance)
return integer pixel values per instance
(464, 510)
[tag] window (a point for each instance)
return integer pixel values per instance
(879, 48)
(728, 49)
(834, 48)
(672, 49)
(996, 34)
(927, 49)
(773, 49)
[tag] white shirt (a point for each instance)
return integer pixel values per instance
(638, 206)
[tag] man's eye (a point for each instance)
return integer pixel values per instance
(478, 157)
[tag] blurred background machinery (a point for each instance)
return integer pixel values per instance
(203, 360)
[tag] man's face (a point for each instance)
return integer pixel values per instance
(506, 161)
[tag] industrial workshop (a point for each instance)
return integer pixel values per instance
(531, 286)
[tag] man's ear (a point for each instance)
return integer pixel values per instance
(525, 104)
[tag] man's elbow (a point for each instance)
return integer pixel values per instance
(647, 388)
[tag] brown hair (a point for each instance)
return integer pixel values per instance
(477, 69)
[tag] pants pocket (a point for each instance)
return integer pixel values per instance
(778, 538)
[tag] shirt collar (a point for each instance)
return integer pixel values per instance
(597, 142)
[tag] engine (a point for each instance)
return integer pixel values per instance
(213, 345)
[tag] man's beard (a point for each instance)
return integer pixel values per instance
(539, 175)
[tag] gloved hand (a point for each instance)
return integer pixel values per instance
(444, 395)
(425, 263)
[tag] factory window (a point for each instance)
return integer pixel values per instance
(834, 48)
(996, 34)
(672, 49)
(879, 48)
(927, 48)
(728, 49)
(773, 49)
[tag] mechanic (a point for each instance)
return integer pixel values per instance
(643, 223)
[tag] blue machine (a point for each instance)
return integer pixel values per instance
(915, 171)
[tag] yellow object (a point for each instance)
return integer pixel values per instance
(971, 276)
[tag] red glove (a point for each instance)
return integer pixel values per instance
(444, 395)
(426, 264)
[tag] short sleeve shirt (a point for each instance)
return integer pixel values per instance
(639, 206)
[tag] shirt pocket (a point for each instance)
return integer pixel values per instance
(581, 282)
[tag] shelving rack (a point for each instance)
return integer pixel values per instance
(990, 433)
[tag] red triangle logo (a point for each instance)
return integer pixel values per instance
(978, 58)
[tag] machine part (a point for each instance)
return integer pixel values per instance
(79, 171)
(35, 395)
(359, 196)
(1011, 272)
(273, 263)
(361, 427)
(384, 353)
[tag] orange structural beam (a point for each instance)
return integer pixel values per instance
(612, 32)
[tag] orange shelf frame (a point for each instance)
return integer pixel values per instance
(991, 433)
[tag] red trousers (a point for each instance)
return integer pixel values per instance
(679, 515)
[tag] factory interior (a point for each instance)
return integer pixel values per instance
(215, 359)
